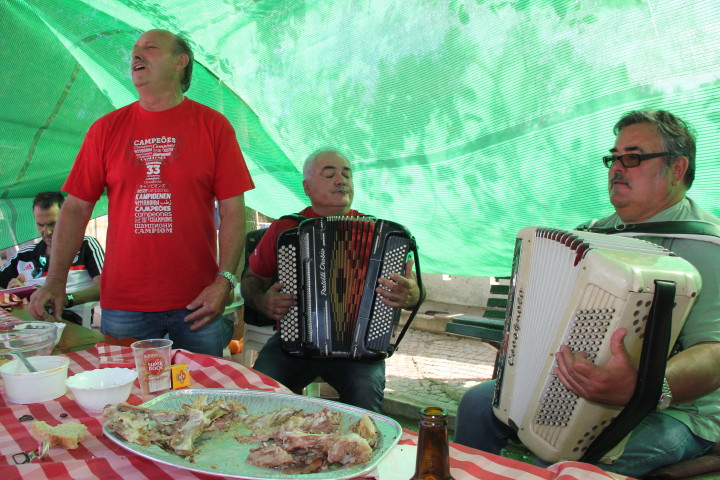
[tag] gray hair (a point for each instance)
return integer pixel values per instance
(182, 47)
(676, 136)
(310, 160)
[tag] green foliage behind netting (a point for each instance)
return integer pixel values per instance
(465, 120)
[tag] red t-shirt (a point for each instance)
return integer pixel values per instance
(263, 260)
(162, 171)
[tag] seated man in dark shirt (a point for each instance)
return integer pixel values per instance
(29, 266)
(329, 185)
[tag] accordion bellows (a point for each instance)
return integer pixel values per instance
(576, 288)
(333, 265)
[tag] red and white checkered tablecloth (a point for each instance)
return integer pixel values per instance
(99, 458)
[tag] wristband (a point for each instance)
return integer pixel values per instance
(69, 300)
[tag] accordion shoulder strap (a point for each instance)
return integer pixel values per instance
(293, 216)
(693, 229)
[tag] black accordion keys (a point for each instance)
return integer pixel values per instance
(333, 265)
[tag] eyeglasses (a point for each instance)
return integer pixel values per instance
(631, 160)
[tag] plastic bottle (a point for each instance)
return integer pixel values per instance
(433, 454)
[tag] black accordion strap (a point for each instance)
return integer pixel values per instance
(415, 309)
(680, 227)
(293, 216)
(653, 360)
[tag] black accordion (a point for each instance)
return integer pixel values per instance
(333, 265)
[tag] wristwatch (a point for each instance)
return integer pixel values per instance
(69, 300)
(665, 397)
(230, 278)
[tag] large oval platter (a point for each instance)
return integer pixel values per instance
(221, 454)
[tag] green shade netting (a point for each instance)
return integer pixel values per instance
(465, 120)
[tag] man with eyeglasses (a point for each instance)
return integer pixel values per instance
(651, 167)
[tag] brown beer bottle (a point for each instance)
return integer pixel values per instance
(433, 454)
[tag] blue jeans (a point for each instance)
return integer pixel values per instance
(657, 441)
(359, 383)
(210, 339)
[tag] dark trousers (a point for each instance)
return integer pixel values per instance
(359, 383)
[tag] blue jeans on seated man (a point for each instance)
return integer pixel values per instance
(210, 339)
(657, 441)
(358, 382)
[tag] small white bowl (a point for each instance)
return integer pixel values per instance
(93, 389)
(46, 384)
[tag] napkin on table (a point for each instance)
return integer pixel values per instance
(10, 300)
(115, 356)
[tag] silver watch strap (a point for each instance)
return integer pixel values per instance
(230, 278)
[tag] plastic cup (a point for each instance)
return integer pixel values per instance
(152, 361)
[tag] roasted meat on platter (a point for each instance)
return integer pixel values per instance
(288, 440)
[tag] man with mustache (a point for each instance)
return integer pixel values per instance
(328, 183)
(165, 162)
(30, 265)
(651, 167)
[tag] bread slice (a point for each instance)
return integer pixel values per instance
(65, 435)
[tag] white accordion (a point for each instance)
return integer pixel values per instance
(576, 288)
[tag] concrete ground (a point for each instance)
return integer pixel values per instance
(434, 369)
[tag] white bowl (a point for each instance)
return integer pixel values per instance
(46, 384)
(93, 389)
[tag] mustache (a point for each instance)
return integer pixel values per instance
(620, 177)
(341, 190)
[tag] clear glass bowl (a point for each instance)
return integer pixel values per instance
(28, 338)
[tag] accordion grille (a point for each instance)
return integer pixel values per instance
(288, 276)
(383, 315)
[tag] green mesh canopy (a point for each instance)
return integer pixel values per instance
(465, 120)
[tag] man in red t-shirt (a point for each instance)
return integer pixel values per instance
(328, 183)
(164, 161)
